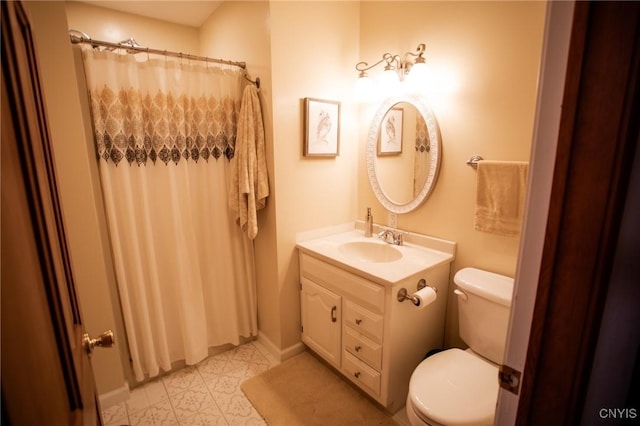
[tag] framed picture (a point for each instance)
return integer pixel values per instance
(321, 128)
(390, 139)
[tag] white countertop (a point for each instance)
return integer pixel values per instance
(417, 254)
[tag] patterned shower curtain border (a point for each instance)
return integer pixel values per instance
(139, 128)
(172, 150)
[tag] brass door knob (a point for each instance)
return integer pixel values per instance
(105, 340)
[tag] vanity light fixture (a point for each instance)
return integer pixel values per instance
(398, 67)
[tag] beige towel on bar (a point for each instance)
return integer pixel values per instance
(249, 179)
(500, 194)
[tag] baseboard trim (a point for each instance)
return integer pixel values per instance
(292, 351)
(114, 397)
(277, 353)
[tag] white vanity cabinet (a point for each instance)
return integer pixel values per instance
(356, 323)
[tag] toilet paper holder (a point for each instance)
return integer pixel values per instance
(403, 294)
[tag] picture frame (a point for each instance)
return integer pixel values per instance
(390, 136)
(321, 128)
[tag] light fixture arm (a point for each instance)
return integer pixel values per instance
(418, 55)
(401, 64)
(363, 67)
(419, 52)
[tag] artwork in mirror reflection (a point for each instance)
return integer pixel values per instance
(403, 160)
(403, 177)
(391, 132)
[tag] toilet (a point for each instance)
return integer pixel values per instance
(460, 387)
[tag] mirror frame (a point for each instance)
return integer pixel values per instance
(435, 144)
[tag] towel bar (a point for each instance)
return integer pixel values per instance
(473, 161)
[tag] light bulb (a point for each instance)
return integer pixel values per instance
(363, 89)
(389, 82)
(419, 77)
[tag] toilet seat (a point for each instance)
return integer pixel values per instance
(454, 387)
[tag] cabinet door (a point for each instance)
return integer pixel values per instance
(321, 314)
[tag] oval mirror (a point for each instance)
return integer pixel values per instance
(403, 153)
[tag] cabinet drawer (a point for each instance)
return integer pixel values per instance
(360, 373)
(364, 321)
(363, 348)
(365, 292)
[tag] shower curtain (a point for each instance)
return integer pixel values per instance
(422, 160)
(165, 134)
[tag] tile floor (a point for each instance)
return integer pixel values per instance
(205, 394)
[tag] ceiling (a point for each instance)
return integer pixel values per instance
(191, 13)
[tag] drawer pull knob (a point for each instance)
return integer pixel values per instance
(358, 348)
(358, 321)
(333, 314)
(357, 374)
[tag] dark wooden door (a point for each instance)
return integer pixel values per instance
(46, 373)
(599, 133)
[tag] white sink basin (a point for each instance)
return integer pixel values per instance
(370, 252)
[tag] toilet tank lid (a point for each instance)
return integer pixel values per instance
(494, 287)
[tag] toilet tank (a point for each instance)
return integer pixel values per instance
(484, 302)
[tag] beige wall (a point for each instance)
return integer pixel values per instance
(114, 26)
(73, 159)
(314, 46)
(492, 49)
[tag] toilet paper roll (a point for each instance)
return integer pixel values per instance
(425, 297)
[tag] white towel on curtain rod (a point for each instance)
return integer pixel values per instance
(185, 271)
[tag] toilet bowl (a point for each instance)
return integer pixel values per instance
(455, 387)
(460, 387)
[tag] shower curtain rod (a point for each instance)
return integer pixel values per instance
(132, 47)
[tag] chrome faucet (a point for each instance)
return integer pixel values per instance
(391, 237)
